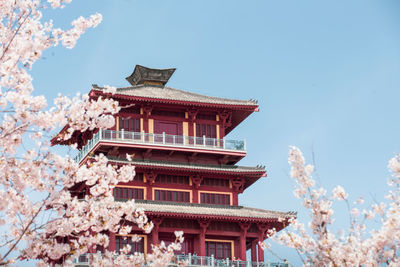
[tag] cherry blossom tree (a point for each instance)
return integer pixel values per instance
(317, 245)
(39, 219)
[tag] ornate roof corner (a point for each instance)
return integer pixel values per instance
(143, 75)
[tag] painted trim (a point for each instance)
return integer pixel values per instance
(186, 115)
(172, 189)
(217, 117)
(151, 126)
(224, 241)
(133, 186)
(216, 193)
(185, 128)
(142, 236)
(217, 129)
(117, 122)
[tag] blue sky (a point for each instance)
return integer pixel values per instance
(325, 73)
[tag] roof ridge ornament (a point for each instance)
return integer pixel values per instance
(144, 75)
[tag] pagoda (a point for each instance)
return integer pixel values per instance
(186, 173)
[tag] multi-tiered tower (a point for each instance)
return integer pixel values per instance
(186, 173)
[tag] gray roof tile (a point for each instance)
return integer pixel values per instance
(163, 92)
(193, 166)
(212, 210)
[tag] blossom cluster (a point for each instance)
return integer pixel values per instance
(317, 245)
(39, 216)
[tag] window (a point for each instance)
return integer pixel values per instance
(215, 182)
(207, 130)
(129, 124)
(175, 196)
(121, 241)
(128, 193)
(217, 199)
(172, 179)
(203, 116)
(168, 113)
(220, 250)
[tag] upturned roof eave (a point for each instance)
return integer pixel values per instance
(248, 107)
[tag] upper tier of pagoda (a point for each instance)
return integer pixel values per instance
(150, 101)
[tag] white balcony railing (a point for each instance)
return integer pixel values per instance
(193, 260)
(163, 140)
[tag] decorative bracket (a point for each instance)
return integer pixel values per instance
(196, 180)
(147, 110)
(238, 184)
(203, 225)
(226, 118)
(192, 113)
(244, 226)
(150, 177)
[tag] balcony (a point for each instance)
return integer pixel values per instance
(162, 140)
(193, 260)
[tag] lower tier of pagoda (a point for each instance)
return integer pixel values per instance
(224, 232)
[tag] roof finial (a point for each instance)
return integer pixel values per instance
(143, 75)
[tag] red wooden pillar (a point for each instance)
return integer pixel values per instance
(260, 250)
(191, 116)
(196, 181)
(154, 232)
(146, 113)
(238, 187)
(111, 244)
(202, 239)
(262, 228)
(243, 233)
(150, 179)
(225, 118)
(254, 250)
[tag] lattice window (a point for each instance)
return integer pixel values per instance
(168, 113)
(175, 196)
(172, 179)
(129, 124)
(215, 182)
(224, 226)
(220, 250)
(138, 177)
(217, 199)
(121, 241)
(128, 193)
(184, 224)
(207, 130)
(203, 116)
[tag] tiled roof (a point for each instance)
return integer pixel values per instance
(168, 93)
(211, 210)
(193, 166)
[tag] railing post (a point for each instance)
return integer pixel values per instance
(100, 134)
(204, 140)
(212, 260)
(143, 136)
(173, 139)
(122, 134)
(223, 143)
(163, 137)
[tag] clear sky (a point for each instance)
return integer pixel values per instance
(325, 73)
